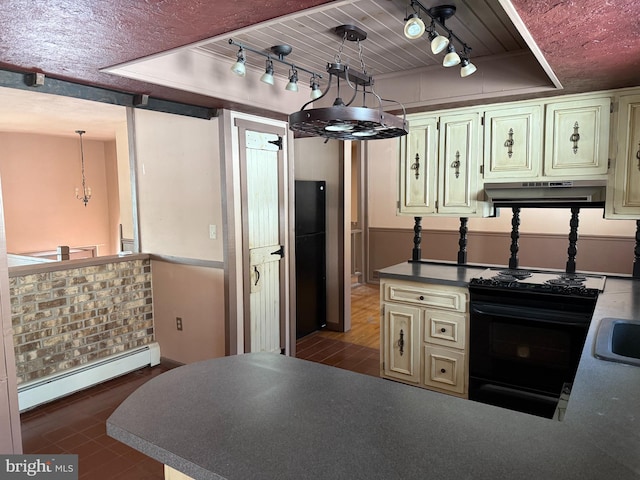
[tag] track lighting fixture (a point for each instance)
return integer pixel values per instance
(277, 54)
(239, 67)
(267, 76)
(441, 41)
(342, 121)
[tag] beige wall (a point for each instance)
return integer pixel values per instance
(179, 196)
(188, 292)
(39, 175)
(178, 174)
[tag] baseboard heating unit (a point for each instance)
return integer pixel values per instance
(59, 385)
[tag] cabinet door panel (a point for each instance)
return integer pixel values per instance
(626, 194)
(417, 168)
(401, 342)
(513, 142)
(577, 138)
(458, 153)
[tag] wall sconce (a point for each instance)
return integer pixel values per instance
(86, 191)
(439, 43)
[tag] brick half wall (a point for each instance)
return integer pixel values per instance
(65, 318)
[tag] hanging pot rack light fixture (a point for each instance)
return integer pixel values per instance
(415, 27)
(341, 121)
(86, 191)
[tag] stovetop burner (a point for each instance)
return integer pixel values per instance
(541, 281)
(514, 274)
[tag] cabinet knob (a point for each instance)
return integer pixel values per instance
(442, 370)
(443, 329)
(421, 297)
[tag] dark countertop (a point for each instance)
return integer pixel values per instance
(267, 416)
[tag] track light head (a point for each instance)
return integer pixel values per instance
(451, 58)
(292, 86)
(438, 42)
(239, 67)
(413, 27)
(315, 88)
(267, 76)
(467, 67)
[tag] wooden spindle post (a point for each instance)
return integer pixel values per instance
(515, 236)
(462, 241)
(417, 238)
(573, 240)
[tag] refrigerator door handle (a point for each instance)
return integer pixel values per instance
(280, 251)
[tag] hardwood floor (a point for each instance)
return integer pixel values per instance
(357, 350)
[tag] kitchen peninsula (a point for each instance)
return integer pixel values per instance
(266, 416)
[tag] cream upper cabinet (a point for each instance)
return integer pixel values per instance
(418, 152)
(513, 142)
(458, 164)
(623, 190)
(439, 169)
(577, 138)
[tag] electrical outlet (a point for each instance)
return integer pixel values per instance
(179, 323)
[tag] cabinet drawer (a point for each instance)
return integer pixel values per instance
(445, 328)
(444, 369)
(428, 296)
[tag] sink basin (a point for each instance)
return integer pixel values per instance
(618, 340)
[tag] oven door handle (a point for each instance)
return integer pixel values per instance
(527, 313)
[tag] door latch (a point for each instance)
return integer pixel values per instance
(280, 251)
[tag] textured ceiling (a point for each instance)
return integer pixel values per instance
(589, 44)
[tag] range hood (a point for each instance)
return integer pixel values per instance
(563, 193)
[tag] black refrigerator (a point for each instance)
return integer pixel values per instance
(311, 292)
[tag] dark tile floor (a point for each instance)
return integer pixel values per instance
(76, 424)
(336, 353)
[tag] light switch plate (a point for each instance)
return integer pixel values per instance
(213, 232)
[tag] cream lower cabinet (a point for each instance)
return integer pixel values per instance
(623, 190)
(423, 335)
